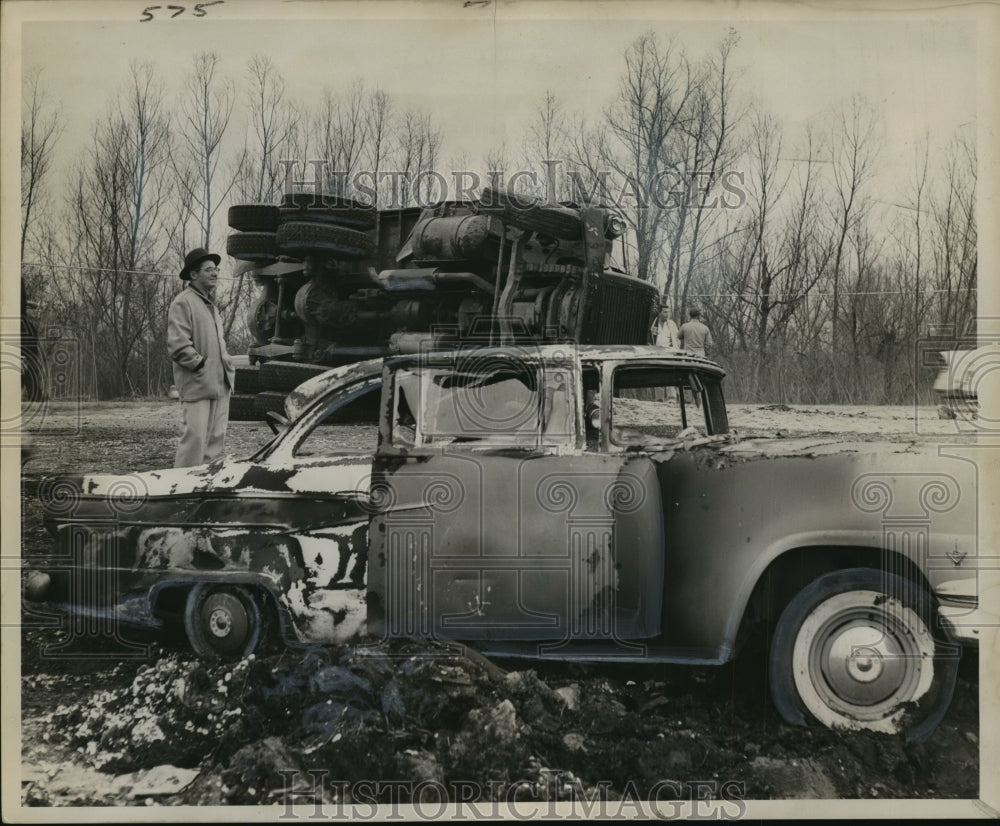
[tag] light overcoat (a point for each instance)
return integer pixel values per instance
(197, 347)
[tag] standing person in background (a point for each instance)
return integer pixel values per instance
(666, 328)
(203, 371)
(694, 334)
(665, 335)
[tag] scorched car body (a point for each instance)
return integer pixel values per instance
(582, 503)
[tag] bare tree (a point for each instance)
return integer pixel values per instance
(547, 147)
(769, 262)
(41, 125)
(379, 128)
(205, 109)
(855, 149)
(634, 142)
(496, 164)
(118, 207)
(659, 152)
(340, 131)
(707, 147)
(955, 246)
(270, 121)
(417, 155)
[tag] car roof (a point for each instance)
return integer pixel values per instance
(305, 393)
(560, 353)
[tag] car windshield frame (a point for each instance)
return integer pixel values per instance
(285, 443)
(553, 405)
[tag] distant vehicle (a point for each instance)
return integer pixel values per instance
(958, 382)
(342, 282)
(550, 501)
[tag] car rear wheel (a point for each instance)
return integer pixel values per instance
(854, 650)
(223, 622)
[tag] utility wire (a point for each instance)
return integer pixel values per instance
(110, 269)
(776, 296)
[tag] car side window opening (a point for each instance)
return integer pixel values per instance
(650, 405)
(355, 412)
(510, 405)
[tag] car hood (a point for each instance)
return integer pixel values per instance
(766, 447)
(346, 475)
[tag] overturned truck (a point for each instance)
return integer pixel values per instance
(341, 282)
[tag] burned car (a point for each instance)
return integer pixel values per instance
(583, 503)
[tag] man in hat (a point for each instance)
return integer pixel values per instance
(203, 371)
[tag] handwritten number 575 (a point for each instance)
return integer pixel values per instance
(198, 11)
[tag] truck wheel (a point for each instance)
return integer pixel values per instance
(302, 238)
(247, 380)
(261, 319)
(254, 217)
(854, 650)
(324, 200)
(287, 375)
(223, 622)
(356, 217)
(259, 247)
(243, 408)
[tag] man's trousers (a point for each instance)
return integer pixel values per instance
(204, 434)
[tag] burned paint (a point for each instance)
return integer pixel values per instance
(330, 383)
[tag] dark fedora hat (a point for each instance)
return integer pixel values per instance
(194, 258)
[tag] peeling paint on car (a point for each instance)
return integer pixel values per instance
(491, 558)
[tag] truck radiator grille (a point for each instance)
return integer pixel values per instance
(622, 311)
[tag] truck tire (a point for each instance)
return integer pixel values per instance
(259, 247)
(254, 217)
(324, 200)
(247, 380)
(243, 407)
(302, 238)
(854, 649)
(285, 376)
(270, 401)
(356, 218)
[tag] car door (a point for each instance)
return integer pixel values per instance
(496, 524)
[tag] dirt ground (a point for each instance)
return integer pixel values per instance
(140, 721)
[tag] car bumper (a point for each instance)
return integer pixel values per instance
(961, 613)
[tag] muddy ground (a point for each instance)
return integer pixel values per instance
(142, 722)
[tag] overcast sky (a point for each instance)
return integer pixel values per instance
(481, 70)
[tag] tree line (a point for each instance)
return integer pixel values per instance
(817, 275)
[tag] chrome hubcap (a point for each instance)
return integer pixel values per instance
(859, 657)
(220, 623)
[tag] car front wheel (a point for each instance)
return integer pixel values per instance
(854, 650)
(223, 622)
